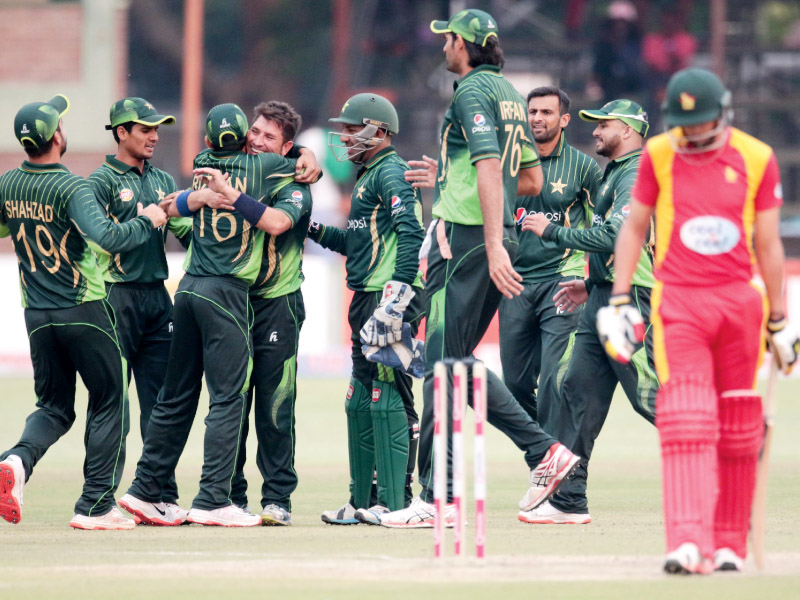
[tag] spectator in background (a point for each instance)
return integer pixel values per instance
(617, 70)
(667, 51)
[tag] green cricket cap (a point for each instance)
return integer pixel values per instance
(136, 110)
(471, 24)
(694, 96)
(627, 111)
(36, 122)
(226, 124)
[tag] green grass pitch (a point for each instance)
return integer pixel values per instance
(616, 556)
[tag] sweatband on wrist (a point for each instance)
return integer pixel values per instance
(182, 204)
(619, 299)
(250, 208)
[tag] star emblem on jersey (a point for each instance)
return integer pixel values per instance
(160, 193)
(361, 192)
(558, 186)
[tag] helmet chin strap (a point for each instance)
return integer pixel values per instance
(365, 139)
(701, 143)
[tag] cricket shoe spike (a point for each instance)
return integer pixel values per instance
(726, 559)
(556, 466)
(343, 516)
(275, 515)
(226, 516)
(12, 482)
(686, 560)
(418, 514)
(150, 513)
(371, 515)
(547, 514)
(113, 520)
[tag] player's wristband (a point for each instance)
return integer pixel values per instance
(619, 299)
(774, 325)
(250, 208)
(182, 204)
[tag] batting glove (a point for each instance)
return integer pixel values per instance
(385, 326)
(620, 327)
(405, 355)
(784, 343)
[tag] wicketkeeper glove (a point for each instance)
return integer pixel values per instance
(385, 326)
(620, 327)
(784, 343)
(405, 355)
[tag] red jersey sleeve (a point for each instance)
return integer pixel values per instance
(770, 193)
(645, 189)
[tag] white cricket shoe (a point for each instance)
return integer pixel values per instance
(371, 515)
(726, 559)
(226, 516)
(112, 520)
(686, 560)
(418, 514)
(275, 515)
(342, 516)
(547, 514)
(12, 481)
(177, 512)
(556, 466)
(150, 513)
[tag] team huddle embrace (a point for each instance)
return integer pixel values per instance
(625, 275)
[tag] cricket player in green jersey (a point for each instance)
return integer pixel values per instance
(51, 214)
(381, 243)
(485, 160)
(536, 336)
(211, 333)
(278, 315)
(592, 376)
(135, 279)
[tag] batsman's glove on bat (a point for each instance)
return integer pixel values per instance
(385, 326)
(784, 343)
(620, 327)
(407, 355)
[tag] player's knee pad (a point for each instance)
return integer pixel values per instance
(741, 423)
(686, 412)
(360, 443)
(390, 423)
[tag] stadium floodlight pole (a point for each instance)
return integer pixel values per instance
(191, 93)
(758, 516)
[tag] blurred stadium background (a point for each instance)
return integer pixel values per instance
(188, 55)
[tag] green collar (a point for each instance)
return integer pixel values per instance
(478, 69)
(626, 157)
(375, 160)
(559, 149)
(121, 167)
(43, 168)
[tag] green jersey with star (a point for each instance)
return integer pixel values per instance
(611, 209)
(486, 119)
(282, 263)
(571, 180)
(119, 187)
(48, 212)
(384, 230)
(223, 243)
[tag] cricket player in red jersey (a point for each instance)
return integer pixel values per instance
(716, 195)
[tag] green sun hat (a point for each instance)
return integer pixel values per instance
(627, 111)
(226, 124)
(471, 24)
(36, 122)
(136, 110)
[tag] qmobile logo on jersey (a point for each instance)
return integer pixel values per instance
(126, 195)
(395, 201)
(520, 216)
(710, 235)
